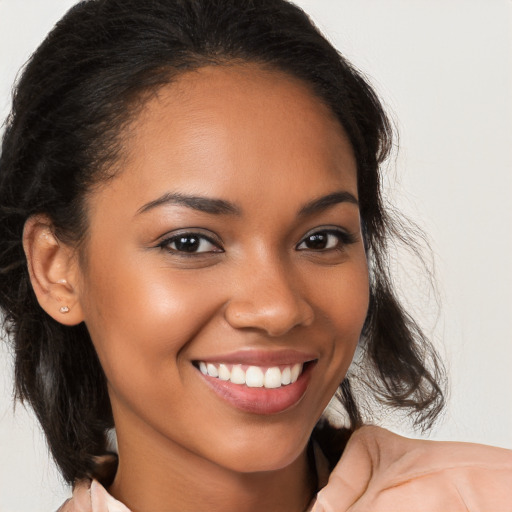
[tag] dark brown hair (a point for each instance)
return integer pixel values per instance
(80, 88)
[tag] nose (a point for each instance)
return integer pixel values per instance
(268, 298)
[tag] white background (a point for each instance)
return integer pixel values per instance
(444, 69)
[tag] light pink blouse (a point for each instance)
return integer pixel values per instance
(382, 472)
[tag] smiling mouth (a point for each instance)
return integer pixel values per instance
(270, 388)
(272, 377)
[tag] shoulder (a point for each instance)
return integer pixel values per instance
(382, 471)
(90, 496)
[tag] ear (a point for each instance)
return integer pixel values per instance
(53, 269)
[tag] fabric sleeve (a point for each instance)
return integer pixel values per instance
(91, 496)
(381, 472)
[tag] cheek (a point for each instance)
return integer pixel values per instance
(346, 298)
(142, 344)
(343, 309)
(141, 321)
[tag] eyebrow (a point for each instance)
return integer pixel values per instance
(325, 202)
(222, 207)
(200, 203)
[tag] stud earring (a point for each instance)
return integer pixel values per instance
(64, 309)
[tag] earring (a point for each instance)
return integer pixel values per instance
(64, 309)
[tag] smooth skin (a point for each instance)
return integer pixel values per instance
(261, 272)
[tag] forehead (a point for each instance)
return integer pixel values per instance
(238, 131)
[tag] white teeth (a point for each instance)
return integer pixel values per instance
(296, 371)
(286, 376)
(273, 378)
(212, 370)
(224, 373)
(255, 376)
(237, 375)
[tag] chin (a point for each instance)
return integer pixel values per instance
(266, 454)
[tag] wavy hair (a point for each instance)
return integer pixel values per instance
(81, 87)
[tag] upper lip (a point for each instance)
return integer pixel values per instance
(261, 357)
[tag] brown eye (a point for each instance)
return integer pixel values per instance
(325, 240)
(318, 241)
(187, 243)
(190, 243)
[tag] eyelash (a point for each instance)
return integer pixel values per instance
(343, 239)
(165, 244)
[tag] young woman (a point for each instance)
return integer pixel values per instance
(193, 244)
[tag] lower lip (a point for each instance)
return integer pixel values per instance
(261, 400)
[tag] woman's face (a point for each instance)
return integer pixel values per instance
(229, 240)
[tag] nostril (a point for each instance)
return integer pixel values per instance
(269, 304)
(275, 320)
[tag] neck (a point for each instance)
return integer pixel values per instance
(170, 479)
